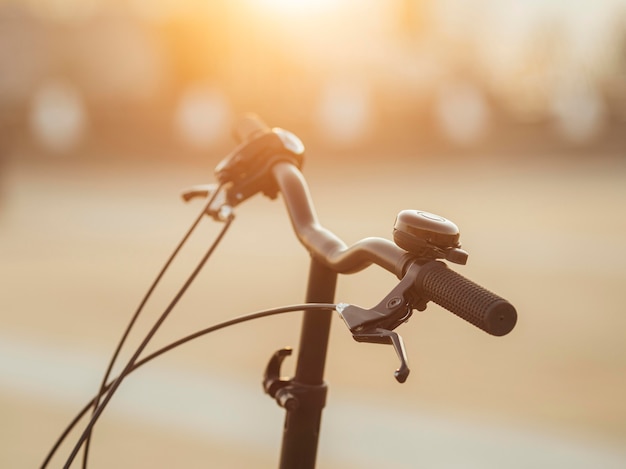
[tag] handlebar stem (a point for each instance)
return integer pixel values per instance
(303, 421)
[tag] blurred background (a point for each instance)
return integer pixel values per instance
(506, 117)
(120, 77)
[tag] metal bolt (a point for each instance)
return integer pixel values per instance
(287, 400)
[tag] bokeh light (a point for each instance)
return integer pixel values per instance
(344, 111)
(462, 112)
(203, 116)
(457, 74)
(58, 117)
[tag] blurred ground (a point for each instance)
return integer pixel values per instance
(80, 242)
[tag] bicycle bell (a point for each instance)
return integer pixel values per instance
(428, 236)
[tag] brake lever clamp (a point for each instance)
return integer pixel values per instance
(246, 169)
(376, 325)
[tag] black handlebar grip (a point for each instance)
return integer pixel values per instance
(248, 127)
(469, 301)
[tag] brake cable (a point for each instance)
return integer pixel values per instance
(138, 311)
(115, 385)
(173, 345)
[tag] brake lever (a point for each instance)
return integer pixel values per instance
(220, 209)
(384, 336)
(376, 325)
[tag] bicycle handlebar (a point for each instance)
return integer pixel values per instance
(324, 245)
(468, 300)
(434, 282)
(321, 243)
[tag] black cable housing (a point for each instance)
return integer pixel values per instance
(173, 345)
(138, 311)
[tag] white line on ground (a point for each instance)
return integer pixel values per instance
(365, 433)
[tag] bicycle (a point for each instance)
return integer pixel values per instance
(269, 161)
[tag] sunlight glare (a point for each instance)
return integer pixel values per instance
(294, 7)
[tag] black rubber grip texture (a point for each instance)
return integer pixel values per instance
(477, 305)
